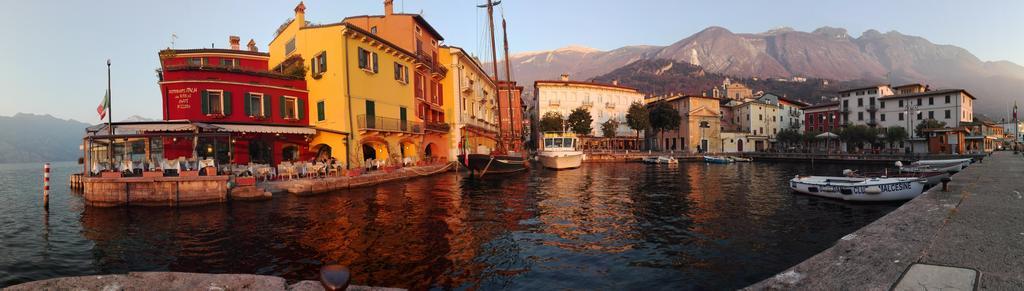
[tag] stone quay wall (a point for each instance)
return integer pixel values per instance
(179, 281)
(155, 191)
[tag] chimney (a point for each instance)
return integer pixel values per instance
(565, 77)
(300, 14)
(252, 46)
(234, 40)
(389, 7)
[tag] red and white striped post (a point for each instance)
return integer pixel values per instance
(46, 186)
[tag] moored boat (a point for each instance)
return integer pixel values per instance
(739, 159)
(931, 178)
(483, 164)
(859, 189)
(559, 152)
(667, 160)
(954, 167)
(965, 162)
(717, 160)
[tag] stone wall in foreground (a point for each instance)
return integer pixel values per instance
(155, 191)
(178, 281)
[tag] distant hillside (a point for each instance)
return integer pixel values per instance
(827, 52)
(661, 76)
(39, 138)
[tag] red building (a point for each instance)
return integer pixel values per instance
(231, 90)
(821, 117)
(512, 128)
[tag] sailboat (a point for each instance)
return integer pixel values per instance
(499, 161)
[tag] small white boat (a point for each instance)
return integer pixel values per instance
(954, 167)
(965, 162)
(859, 189)
(559, 152)
(739, 159)
(717, 160)
(650, 160)
(667, 160)
(931, 178)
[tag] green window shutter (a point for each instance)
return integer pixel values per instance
(266, 105)
(375, 63)
(227, 103)
(205, 102)
(320, 115)
(301, 107)
(282, 107)
(323, 62)
(362, 59)
(246, 105)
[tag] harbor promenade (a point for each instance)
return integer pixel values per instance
(180, 281)
(971, 236)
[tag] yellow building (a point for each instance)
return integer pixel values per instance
(470, 103)
(691, 136)
(360, 97)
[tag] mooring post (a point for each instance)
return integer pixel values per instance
(335, 277)
(945, 181)
(46, 186)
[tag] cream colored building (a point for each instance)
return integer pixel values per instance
(691, 137)
(470, 104)
(605, 101)
(761, 120)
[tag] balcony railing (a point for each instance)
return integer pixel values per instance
(554, 102)
(438, 126)
(609, 105)
(872, 107)
(388, 124)
(588, 103)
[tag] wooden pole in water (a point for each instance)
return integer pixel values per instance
(46, 186)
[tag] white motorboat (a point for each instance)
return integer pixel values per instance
(739, 159)
(931, 178)
(953, 167)
(650, 160)
(965, 162)
(859, 189)
(559, 152)
(667, 160)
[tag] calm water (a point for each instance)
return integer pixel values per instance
(604, 226)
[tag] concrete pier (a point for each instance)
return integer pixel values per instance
(972, 235)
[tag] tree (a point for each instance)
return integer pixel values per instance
(895, 135)
(552, 121)
(638, 118)
(609, 127)
(789, 136)
(579, 121)
(927, 124)
(663, 117)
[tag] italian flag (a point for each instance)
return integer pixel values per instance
(104, 105)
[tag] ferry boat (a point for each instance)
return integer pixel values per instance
(559, 152)
(717, 160)
(859, 189)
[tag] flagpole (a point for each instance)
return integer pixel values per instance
(110, 110)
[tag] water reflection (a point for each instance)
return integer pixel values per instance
(603, 226)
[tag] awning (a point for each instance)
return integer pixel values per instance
(265, 129)
(141, 127)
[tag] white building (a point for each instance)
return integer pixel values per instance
(605, 101)
(791, 114)
(906, 106)
(1014, 130)
(860, 105)
(760, 119)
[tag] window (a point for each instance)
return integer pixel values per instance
(948, 114)
(255, 105)
(919, 115)
(901, 116)
(291, 108)
(216, 102)
(860, 102)
(418, 32)
(901, 103)
(320, 114)
(198, 61)
(882, 104)
(373, 30)
(401, 73)
(846, 103)
(319, 64)
(931, 114)
(947, 99)
(918, 101)
(230, 63)
(882, 116)
(760, 117)
(289, 47)
(368, 60)
(931, 100)
(860, 115)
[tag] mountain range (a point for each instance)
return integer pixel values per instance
(825, 53)
(39, 138)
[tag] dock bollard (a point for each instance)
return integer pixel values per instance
(945, 182)
(335, 277)
(46, 186)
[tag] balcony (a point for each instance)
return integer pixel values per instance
(588, 104)
(377, 123)
(431, 64)
(609, 105)
(872, 108)
(438, 127)
(872, 122)
(795, 113)
(554, 102)
(844, 110)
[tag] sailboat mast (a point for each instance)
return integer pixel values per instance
(508, 84)
(494, 64)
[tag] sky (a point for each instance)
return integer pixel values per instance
(53, 54)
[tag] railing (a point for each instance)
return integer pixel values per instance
(872, 107)
(609, 105)
(554, 102)
(388, 124)
(438, 126)
(795, 113)
(588, 103)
